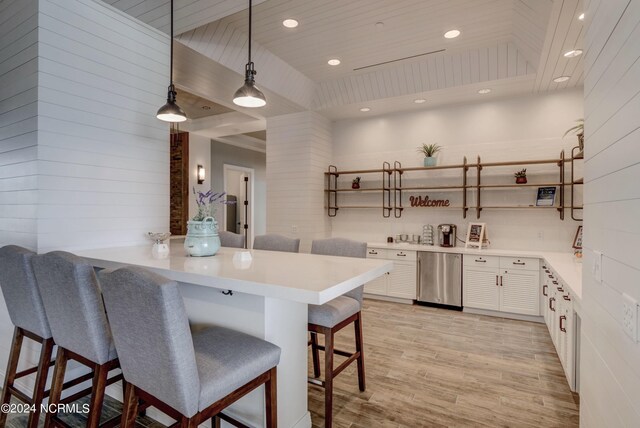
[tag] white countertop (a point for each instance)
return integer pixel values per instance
(299, 277)
(564, 264)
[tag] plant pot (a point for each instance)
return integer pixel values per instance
(202, 238)
(581, 141)
(355, 185)
(521, 180)
(430, 161)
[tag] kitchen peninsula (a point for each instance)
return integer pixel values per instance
(266, 297)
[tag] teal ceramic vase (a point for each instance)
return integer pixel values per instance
(429, 161)
(202, 238)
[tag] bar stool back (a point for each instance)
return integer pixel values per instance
(333, 316)
(274, 242)
(189, 377)
(27, 314)
(230, 239)
(73, 303)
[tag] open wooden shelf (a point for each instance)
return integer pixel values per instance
(392, 193)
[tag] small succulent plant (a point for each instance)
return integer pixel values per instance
(428, 150)
(520, 174)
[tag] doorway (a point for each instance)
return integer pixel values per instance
(179, 183)
(238, 218)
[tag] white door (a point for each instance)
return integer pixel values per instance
(520, 292)
(481, 288)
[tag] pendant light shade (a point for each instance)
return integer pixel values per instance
(171, 112)
(249, 95)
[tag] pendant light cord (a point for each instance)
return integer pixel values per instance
(171, 44)
(250, 21)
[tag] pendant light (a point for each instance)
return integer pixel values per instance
(249, 95)
(171, 112)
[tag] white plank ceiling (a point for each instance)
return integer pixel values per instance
(510, 46)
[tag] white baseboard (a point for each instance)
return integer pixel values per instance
(509, 315)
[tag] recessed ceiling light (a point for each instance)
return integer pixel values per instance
(365, 109)
(290, 23)
(451, 34)
(420, 101)
(206, 108)
(573, 53)
(334, 61)
(561, 79)
(379, 25)
(581, 16)
(484, 91)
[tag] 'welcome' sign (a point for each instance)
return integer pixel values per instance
(419, 201)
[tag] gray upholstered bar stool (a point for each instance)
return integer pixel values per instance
(73, 304)
(26, 311)
(189, 377)
(274, 242)
(230, 239)
(333, 316)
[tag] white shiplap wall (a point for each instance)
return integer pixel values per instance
(103, 156)
(298, 152)
(610, 369)
(18, 122)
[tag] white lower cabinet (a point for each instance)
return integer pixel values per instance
(561, 320)
(504, 284)
(401, 282)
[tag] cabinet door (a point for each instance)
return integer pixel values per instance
(403, 281)
(377, 286)
(481, 288)
(519, 292)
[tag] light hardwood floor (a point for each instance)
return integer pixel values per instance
(430, 367)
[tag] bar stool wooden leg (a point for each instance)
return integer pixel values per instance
(56, 384)
(129, 407)
(271, 398)
(360, 350)
(315, 353)
(97, 395)
(12, 369)
(41, 381)
(328, 378)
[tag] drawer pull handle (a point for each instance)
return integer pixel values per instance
(544, 290)
(373, 252)
(401, 255)
(562, 328)
(551, 306)
(496, 280)
(519, 263)
(555, 282)
(550, 276)
(500, 280)
(566, 297)
(560, 289)
(480, 261)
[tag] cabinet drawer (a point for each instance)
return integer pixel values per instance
(377, 253)
(481, 261)
(409, 256)
(521, 263)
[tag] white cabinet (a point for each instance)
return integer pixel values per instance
(401, 282)
(505, 284)
(561, 321)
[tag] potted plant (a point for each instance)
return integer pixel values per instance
(202, 231)
(579, 131)
(355, 183)
(429, 151)
(521, 176)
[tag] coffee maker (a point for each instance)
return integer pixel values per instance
(447, 235)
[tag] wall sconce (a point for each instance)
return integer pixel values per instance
(201, 174)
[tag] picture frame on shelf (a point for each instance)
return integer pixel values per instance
(476, 235)
(577, 241)
(546, 197)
